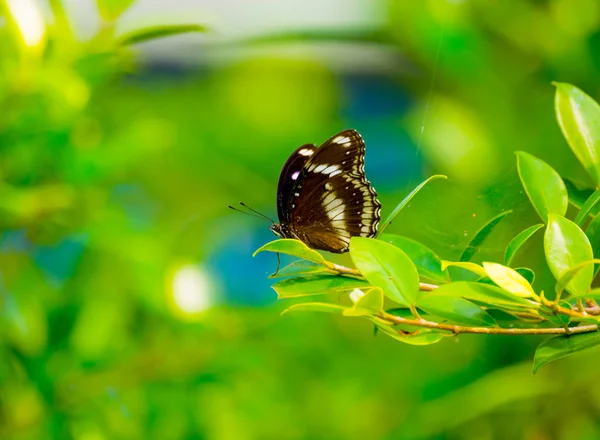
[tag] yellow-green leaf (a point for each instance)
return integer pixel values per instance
(387, 267)
(366, 304)
(316, 284)
(543, 185)
(292, 247)
(579, 119)
(509, 279)
(471, 267)
(566, 246)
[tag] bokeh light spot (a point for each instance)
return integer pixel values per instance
(192, 290)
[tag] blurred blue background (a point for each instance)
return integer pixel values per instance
(130, 304)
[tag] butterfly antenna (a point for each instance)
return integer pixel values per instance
(243, 212)
(256, 212)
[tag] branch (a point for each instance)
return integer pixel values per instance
(343, 270)
(587, 312)
(456, 329)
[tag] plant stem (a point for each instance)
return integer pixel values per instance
(343, 270)
(420, 322)
(457, 329)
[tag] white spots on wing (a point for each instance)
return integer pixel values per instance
(330, 198)
(335, 173)
(330, 169)
(337, 213)
(341, 140)
(319, 168)
(297, 194)
(295, 175)
(306, 152)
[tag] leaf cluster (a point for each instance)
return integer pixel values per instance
(414, 296)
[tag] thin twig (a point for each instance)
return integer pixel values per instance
(587, 312)
(457, 329)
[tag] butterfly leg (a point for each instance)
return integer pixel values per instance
(278, 264)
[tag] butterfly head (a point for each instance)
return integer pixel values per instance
(277, 229)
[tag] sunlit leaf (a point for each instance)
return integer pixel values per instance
(405, 201)
(155, 32)
(316, 284)
(471, 267)
(566, 246)
(587, 207)
(481, 235)
(543, 185)
(558, 347)
(518, 242)
(455, 309)
(484, 293)
(509, 279)
(579, 119)
(292, 247)
(316, 307)
(428, 263)
(300, 267)
(387, 267)
(111, 9)
(367, 304)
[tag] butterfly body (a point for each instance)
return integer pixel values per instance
(323, 196)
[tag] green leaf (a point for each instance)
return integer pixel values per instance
(424, 336)
(471, 267)
(404, 202)
(557, 319)
(558, 347)
(300, 267)
(572, 273)
(526, 273)
(518, 242)
(387, 267)
(579, 119)
(316, 284)
(509, 279)
(428, 263)
(593, 294)
(366, 304)
(155, 32)
(587, 207)
(316, 307)
(593, 234)
(578, 192)
(543, 185)
(455, 309)
(292, 247)
(484, 293)
(110, 10)
(481, 235)
(566, 246)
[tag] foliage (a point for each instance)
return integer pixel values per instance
(463, 307)
(117, 164)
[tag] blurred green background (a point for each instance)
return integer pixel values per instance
(130, 305)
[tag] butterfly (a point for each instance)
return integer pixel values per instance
(324, 197)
